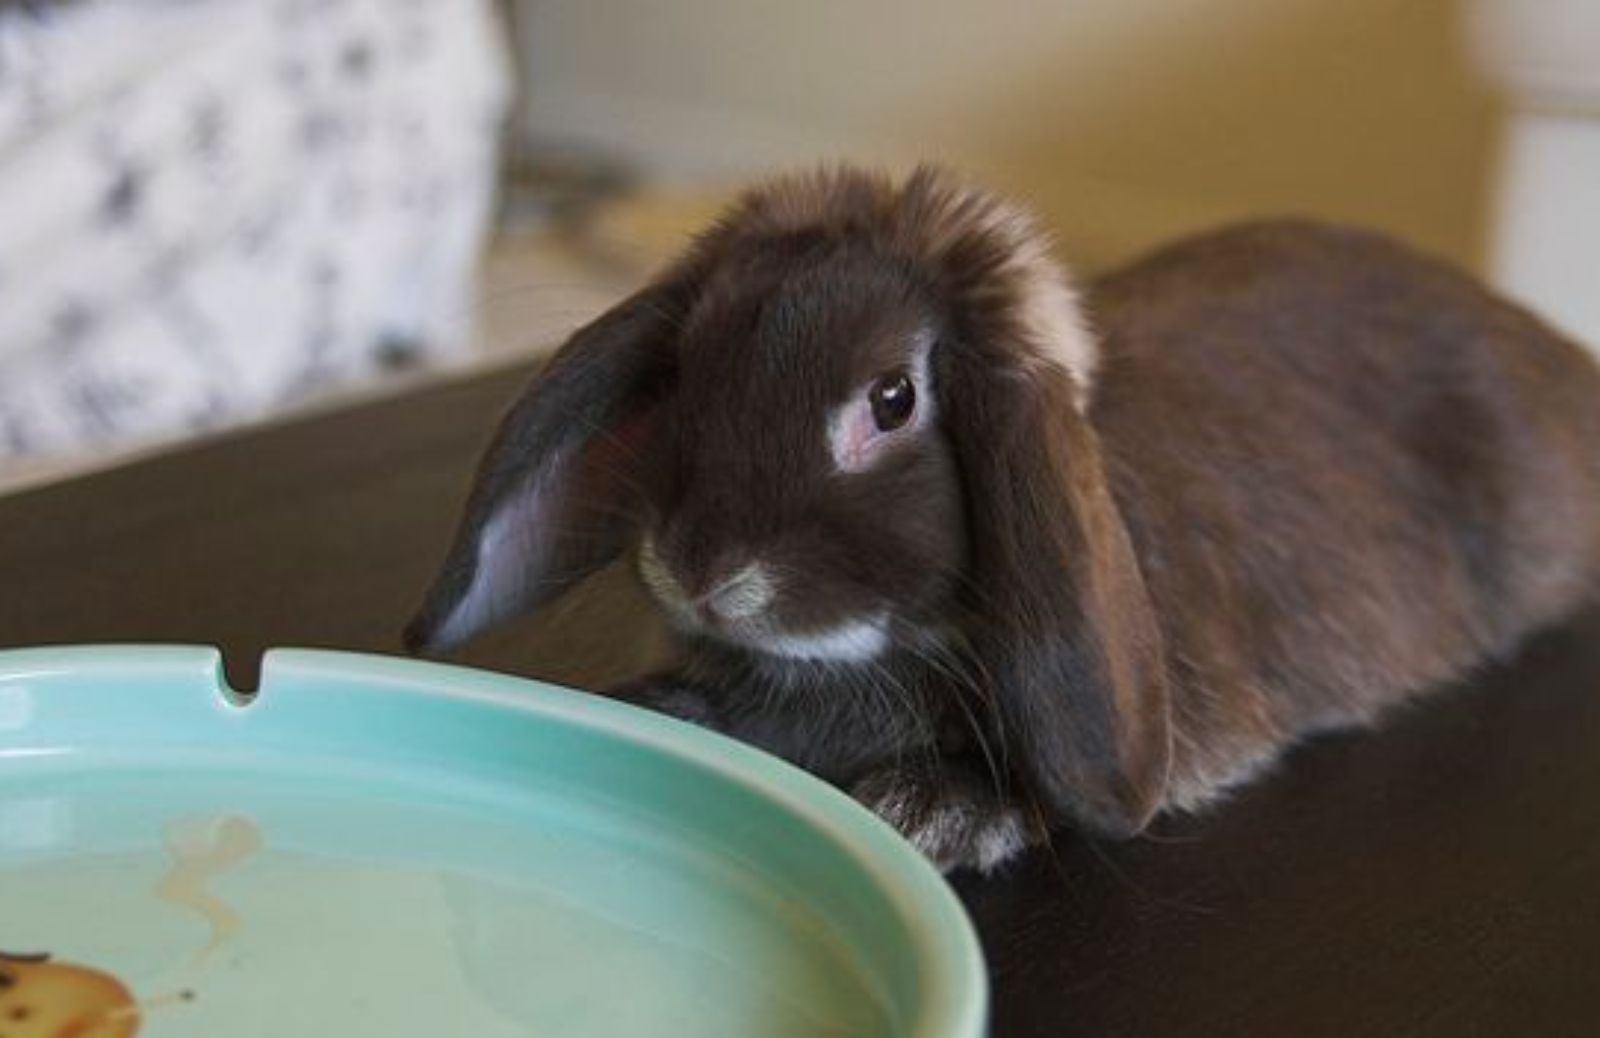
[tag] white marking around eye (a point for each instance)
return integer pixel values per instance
(853, 642)
(854, 442)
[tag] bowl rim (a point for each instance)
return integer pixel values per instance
(951, 980)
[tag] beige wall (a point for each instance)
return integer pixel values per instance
(1125, 121)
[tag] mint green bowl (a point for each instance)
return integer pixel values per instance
(380, 847)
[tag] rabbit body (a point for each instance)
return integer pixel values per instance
(1350, 474)
(995, 557)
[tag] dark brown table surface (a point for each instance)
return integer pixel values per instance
(1440, 876)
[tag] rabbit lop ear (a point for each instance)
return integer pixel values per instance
(1062, 621)
(553, 493)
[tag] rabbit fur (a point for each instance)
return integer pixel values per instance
(1128, 544)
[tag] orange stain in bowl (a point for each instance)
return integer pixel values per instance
(41, 998)
(200, 851)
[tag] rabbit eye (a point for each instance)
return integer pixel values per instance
(893, 399)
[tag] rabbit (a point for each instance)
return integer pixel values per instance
(995, 553)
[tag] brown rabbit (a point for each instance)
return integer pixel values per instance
(992, 558)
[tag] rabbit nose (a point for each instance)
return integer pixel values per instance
(740, 596)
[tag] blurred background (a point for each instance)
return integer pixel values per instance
(218, 212)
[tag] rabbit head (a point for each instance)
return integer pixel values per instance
(850, 421)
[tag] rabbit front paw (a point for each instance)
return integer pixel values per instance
(953, 827)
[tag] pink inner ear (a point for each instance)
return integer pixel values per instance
(508, 547)
(565, 521)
